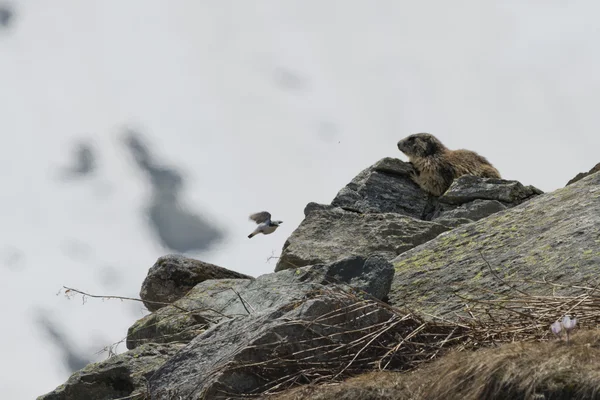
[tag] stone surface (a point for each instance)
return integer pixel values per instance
(227, 324)
(312, 206)
(327, 236)
(385, 187)
(581, 175)
(367, 216)
(554, 236)
(172, 276)
(468, 188)
(121, 376)
(225, 362)
(372, 275)
(212, 301)
(471, 198)
(473, 210)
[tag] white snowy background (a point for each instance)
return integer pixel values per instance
(257, 105)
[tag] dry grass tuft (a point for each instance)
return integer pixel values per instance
(498, 347)
(543, 370)
(550, 370)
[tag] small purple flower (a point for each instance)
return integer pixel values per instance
(556, 328)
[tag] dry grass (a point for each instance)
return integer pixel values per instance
(500, 348)
(543, 370)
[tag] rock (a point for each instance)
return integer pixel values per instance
(554, 236)
(468, 188)
(207, 303)
(471, 198)
(452, 222)
(212, 301)
(473, 210)
(243, 356)
(372, 275)
(121, 376)
(327, 236)
(582, 175)
(312, 206)
(172, 276)
(373, 214)
(385, 187)
(218, 334)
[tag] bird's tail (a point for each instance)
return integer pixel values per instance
(251, 235)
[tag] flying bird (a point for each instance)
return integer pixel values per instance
(265, 225)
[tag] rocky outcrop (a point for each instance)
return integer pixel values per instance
(215, 333)
(385, 187)
(468, 188)
(327, 236)
(213, 301)
(234, 324)
(243, 356)
(471, 198)
(172, 276)
(121, 376)
(553, 237)
(581, 175)
(383, 211)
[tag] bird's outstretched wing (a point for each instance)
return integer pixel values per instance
(261, 217)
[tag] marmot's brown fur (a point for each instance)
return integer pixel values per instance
(436, 166)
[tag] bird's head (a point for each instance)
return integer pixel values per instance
(277, 223)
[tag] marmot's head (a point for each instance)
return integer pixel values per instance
(420, 145)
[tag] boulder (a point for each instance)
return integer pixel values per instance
(213, 301)
(385, 187)
(121, 376)
(554, 236)
(471, 211)
(215, 333)
(581, 175)
(172, 276)
(330, 235)
(383, 211)
(372, 275)
(472, 198)
(312, 206)
(246, 355)
(468, 188)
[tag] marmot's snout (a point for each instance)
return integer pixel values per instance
(402, 145)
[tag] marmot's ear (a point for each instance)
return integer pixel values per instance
(431, 148)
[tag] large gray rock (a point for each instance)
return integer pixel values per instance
(212, 301)
(468, 188)
(245, 356)
(172, 276)
(327, 236)
(372, 214)
(372, 275)
(121, 376)
(385, 187)
(554, 236)
(472, 211)
(581, 175)
(472, 198)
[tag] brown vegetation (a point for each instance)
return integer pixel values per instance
(543, 370)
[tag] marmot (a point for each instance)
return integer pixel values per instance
(436, 166)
